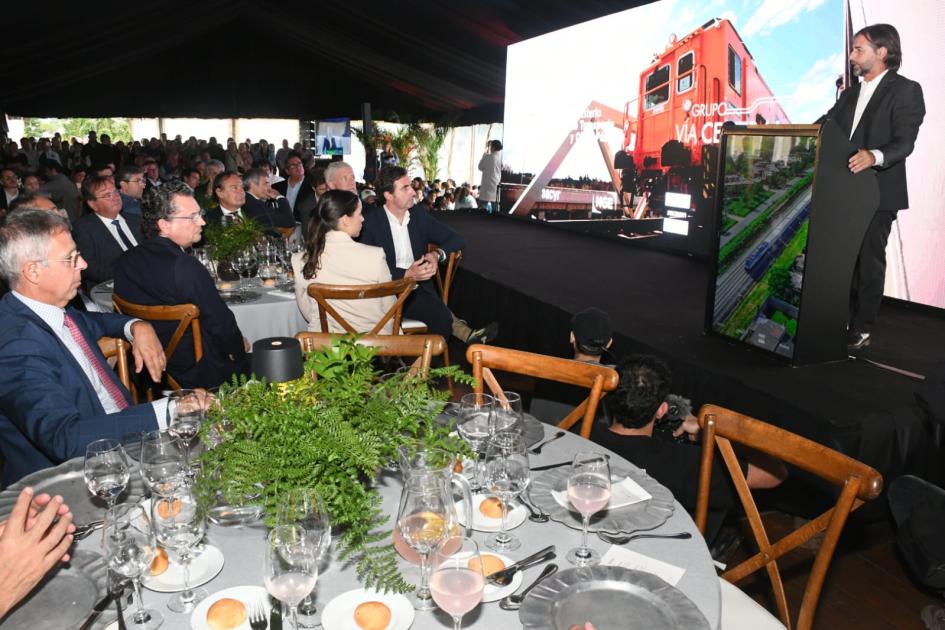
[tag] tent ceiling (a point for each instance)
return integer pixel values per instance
(220, 59)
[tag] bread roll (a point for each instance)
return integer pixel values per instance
(226, 614)
(491, 507)
(372, 616)
(160, 562)
(490, 564)
(167, 508)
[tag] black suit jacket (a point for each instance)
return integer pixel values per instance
(890, 123)
(268, 216)
(305, 201)
(99, 248)
(159, 272)
(423, 230)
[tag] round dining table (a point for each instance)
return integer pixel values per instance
(274, 313)
(243, 549)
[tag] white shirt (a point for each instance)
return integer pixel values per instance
(291, 192)
(53, 316)
(9, 198)
(231, 213)
(114, 232)
(866, 93)
(402, 248)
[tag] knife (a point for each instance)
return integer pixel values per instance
(505, 575)
(97, 610)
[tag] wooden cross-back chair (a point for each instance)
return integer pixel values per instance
(421, 347)
(116, 348)
(598, 379)
(444, 277)
(321, 293)
(186, 315)
(858, 483)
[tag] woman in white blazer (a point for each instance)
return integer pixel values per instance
(332, 256)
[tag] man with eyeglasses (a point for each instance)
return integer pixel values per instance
(131, 185)
(57, 393)
(105, 233)
(160, 272)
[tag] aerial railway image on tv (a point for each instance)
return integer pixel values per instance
(763, 238)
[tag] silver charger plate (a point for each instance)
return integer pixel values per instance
(65, 597)
(631, 518)
(534, 428)
(68, 480)
(235, 297)
(609, 597)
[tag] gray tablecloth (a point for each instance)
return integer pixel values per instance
(274, 314)
(243, 550)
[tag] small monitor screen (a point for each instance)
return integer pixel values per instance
(766, 186)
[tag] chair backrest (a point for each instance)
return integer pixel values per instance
(444, 278)
(321, 293)
(857, 481)
(423, 347)
(186, 315)
(598, 379)
(115, 348)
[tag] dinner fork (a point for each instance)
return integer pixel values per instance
(614, 539)
(258, 617)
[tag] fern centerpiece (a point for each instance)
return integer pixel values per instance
(224, 242)
(334, 433)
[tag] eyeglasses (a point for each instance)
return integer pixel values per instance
(108, 195)
(191, 217)
(73, 260)
(135, 181)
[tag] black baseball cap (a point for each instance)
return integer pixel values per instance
(592, 328)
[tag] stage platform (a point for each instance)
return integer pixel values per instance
(531, 278)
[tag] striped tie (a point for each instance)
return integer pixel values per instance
(104, 375)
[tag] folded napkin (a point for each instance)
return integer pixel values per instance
(620, 557)
(622, 494)
(285, 295)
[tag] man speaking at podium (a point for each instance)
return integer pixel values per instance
(881, 115)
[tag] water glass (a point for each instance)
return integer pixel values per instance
(130, 547)
(106, 470)
(457, 582)
(304, 507)
(179, 525)
(424, 521)
(475, 423)
(589, 493)
(186, 411)
(162, 462)
(506, 475)
(290, 567)
(508, 413)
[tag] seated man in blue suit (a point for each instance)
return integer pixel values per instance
(57, 393)
(405, 230)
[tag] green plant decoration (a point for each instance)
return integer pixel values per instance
(336, 433)
(226, 241)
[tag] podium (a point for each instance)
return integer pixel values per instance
(789, 220)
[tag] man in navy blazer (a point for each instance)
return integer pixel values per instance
(881, 115)
(414, 229)
(105, 233)
(57, 393)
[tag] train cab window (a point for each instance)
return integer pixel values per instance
(684, 74)
(657, 87)
(734, 70)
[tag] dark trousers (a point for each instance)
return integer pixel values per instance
(428, 307)
(869, 275)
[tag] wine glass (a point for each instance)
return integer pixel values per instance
(162, 462)
(290, 567)
(304, 507)
(457, 582)
(238, 264)
(130, 547)
(508, 413)
(186, 410)
(179, 524)
(506, 475)
(475, 422)
(424, 522)
(106, 470)
(589, 492)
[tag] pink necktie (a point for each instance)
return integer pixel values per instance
(118, 397)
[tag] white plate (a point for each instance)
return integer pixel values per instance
(203, 568)
(483, 523)
(493, 593)
(249, 595)
(338, 614)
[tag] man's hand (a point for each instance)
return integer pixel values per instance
(861, 161)
(689, 426)
(147, 350)
(422, 269)
(27, 552)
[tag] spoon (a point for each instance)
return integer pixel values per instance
(533, 515)
(623, 540)
(537, 448)
(514, 602)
